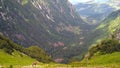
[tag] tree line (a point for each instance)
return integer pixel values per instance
(33, 51)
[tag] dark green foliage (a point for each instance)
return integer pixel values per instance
(5, 45)
(11, 66)
(38, 53)
(105, 47)
(34, 51)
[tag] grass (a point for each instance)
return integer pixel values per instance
(108, 60)
(16, 58)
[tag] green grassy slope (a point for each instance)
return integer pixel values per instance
(19, 60)
(16, 58)
(108, 60)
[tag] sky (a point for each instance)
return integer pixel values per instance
(80, 1)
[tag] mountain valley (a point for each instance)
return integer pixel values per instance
(50, 32)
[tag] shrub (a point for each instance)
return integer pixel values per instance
(105, 47)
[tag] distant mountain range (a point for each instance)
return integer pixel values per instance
(114, 3)
(94, 12)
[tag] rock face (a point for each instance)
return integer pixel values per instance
(53, 25)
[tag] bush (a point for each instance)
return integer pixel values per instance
(6, 46)
(37, 53)
(105, 47)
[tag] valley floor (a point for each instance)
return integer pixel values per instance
(100, 61)
(65, 66)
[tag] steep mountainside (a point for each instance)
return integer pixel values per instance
(110, 24)
(107, 27)
(53, 25)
